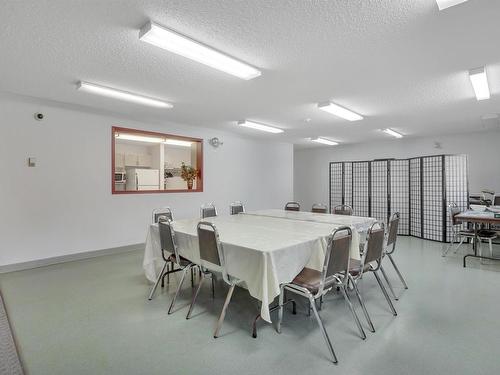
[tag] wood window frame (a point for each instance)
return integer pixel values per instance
(199, 160)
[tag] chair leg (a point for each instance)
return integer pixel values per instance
(362, 303)
(388, 283)
(184, 271)
(351, 307)
(385, 293)
(280, 309)
(160, 277)
(459, 244)
(323, 330)
(213, 287)
(450, 245)
(195, 295)
(398, 272)
(223, 312)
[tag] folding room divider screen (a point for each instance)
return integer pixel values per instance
(420, 189)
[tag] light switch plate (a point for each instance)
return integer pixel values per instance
(31, 162)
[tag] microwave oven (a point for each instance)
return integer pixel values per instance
(120, 177)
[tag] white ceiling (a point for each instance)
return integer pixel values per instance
(400, 63)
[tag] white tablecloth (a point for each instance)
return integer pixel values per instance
(360, 223)
(262, 251)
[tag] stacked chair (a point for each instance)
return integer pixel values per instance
(319, 208)
(390, 247)
(371, 262)
(236, 207)
(212, 252)
(164, 213)
(314, 284)
(292, 206)
(342, 209)
(208, 210)
(459, 233)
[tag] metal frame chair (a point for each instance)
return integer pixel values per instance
(236, 208)
(319, 208)
(486, 235)
(342, 209)
(371, 261)
(457, 230)
(496, 200)
(169, 245)
(314, 284)
(390, 247)
(292, 206)
(163, 213)
(212, 252)
(208, 210)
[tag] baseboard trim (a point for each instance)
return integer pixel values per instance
(68, 258)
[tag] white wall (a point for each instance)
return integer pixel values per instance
(311, 165)
(64, 205)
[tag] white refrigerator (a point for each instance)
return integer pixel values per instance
(142, 179)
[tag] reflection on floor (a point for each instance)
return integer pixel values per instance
(93, 317)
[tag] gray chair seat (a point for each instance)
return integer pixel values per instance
(354, 265)
(308, 278)
(484, 233)
(184, 262)
(466, 232)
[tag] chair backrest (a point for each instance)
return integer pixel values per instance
(211, 250)
(163, 211)
(208, 210)
(454, 211)
(374, 247)
(236, 208)
(167, 237)
(336, 264)
(392, 233)
(319, 208)
(342, 209)
(292, 206)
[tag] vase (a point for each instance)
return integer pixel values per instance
(190, 184)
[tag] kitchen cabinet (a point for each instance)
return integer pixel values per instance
(138, 160)
(119, 161)
(144, 160)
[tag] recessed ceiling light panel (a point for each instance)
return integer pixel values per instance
(259, 126)
(121, 95)
(479, 82)
(175, 42)
(339, 111)
(324, 141)
(443, 4)
(393, 133)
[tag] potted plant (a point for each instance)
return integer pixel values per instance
(189, 174)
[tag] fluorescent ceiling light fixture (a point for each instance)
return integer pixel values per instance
(143, 138)
(443, 4)
(257, 126)
(182, 45)
(176, 142)
(479, 82)
(324, 141)
(339, 111)
(122, 95)
(139, 138)
(393, 133)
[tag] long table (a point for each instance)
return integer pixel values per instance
(477, 217)
(263, 251)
